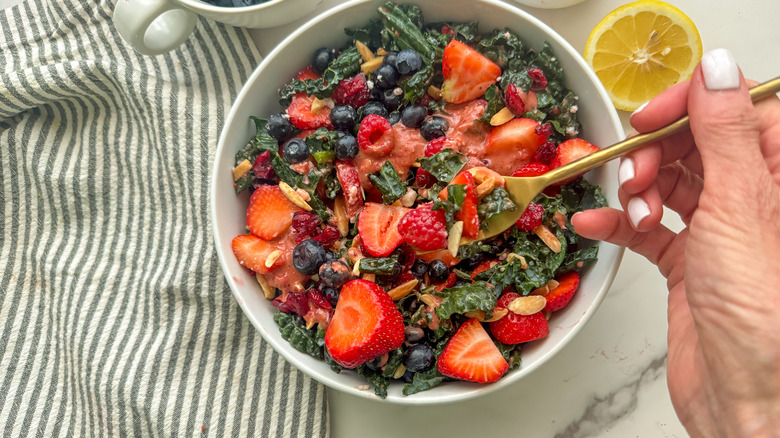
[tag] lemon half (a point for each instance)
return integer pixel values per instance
(640, 49)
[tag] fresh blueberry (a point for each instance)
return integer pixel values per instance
(334, 273)
(413, 334)
(434, 127)
(390, 58)
(375, 108)
(378, 362)
(308, 256)
(346, 147)
(343, 117)
(394, 117)
(438, 271)
(330, 294)
(408, 62)
(279, 127)
(322, 57)
(419, 268)
(413, 116)
(295, 151)
(385, 76)
(418, 357)
(391, 98)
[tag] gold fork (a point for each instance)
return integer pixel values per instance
(523, 190)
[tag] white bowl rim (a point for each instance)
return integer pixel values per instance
(330, 379)
(202, 5)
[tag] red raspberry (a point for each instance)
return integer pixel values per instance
(305, 224)
(531, 169)
(531, 218)
(327, 236)
(425, 229)
(545, 153)
(545, 129)
(513, 100)
(437, 144)
(262, 166)
(424, 179)
(353, 92)
(539, 80)
(371, 133)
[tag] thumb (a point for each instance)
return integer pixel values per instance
(724, 123)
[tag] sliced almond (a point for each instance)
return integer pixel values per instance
(297, 287)
(293, 196)
(268, 291)
(548, 238)
(527, 305)
(309, 324)
(486, 187)
(318, 104)
(523, 263)
(369, 277)
(434, 92)
(364, 51)
(552, 284)
(241, 169)
(453, 238)
(560, 219)
(356, 268)
(380, 51)
(501, 117)
(272, 258)
(399, 372)
(369, 67)
(430, 300)
(478, 314)
(402, 290)
(340, 213)
(498, 313)
(543, 291)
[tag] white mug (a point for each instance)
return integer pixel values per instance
(153, 27)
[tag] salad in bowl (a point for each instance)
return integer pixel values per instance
(383, 153)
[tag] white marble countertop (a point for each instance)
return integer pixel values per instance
(611, 381)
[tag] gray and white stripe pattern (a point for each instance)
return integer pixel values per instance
(115, 319)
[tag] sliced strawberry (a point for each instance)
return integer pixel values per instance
(252, 251)
(471, 355)
(302, 117)
(517, 136)
(366, 324)
(468, 211)
(448, 282)
(531, 169)
(572, 150)
(378, 228)
(467, 73)
(514, 328)
(308, 73)
(443, 255)
(559, 297)
(349, 178)
(424, 228)
(270, 212)
(480, 174)
(482, 267)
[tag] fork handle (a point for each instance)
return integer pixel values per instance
(621, 148)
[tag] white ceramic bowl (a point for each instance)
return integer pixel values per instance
(259, 97)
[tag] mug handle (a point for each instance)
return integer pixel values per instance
(153, 27)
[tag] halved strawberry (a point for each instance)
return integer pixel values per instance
(270, 212)
(366, 324)
(308, 73)
(531, 169)
(471, 355)
(572, 150)
(302, 116)
(252, 251)
(443, 255)
(378, 228)
(349, 178)
(482, 267)
(517, 136)
(559, 297)
(514, 328)
(467, 73)
(468, 211)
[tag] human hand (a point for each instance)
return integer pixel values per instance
(723, 178)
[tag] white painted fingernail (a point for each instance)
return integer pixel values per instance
(625, 171)
(637, 210)
(639, 110)
(720, 70)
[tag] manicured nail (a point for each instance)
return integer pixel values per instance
(637, 210)
(639, 110)
(625, 171)
(720, 70)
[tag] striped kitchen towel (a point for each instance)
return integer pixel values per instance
(115, 319)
